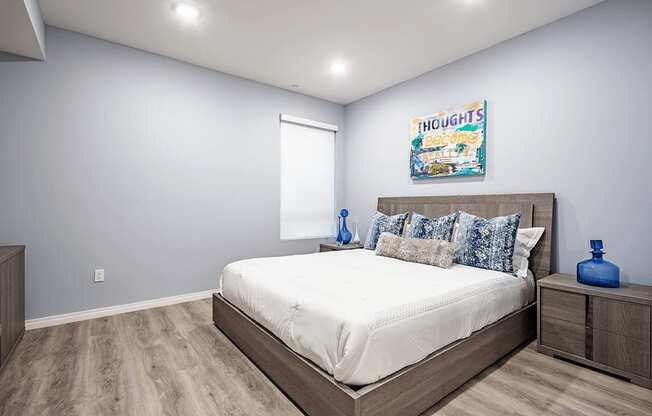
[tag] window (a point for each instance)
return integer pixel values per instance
(307, 178)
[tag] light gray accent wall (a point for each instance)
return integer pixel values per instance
(158, 171)
(568, 112)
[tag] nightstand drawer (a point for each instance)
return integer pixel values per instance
(620, 352)
(563, 335)
(629, 319)
(563, 306)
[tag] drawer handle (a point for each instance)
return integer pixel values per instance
(588, 346)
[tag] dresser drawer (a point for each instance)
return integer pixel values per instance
(565, 306)
(563, 335)
(624, 318)
(621, 352)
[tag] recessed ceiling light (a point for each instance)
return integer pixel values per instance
(338, 68)
(187, 11)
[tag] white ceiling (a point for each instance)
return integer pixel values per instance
(286, 42)
(22, 31)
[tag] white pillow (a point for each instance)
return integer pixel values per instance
(526, 239)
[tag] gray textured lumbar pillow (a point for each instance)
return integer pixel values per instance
(416, 250)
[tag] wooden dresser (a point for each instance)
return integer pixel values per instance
(12, 299)
(608, 329)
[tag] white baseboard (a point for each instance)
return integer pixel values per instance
(114, 310)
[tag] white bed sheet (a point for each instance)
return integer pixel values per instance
(361, 317)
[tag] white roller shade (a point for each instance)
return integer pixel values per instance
(307, 181)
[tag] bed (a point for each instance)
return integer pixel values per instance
(361, 317)
(351, 333)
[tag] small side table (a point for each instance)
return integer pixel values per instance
(335, 247)
(607, 329)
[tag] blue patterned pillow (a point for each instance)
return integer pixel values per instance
(381, 223)
(487, 244)
(438, 228)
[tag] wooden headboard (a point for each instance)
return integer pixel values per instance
(536, 211)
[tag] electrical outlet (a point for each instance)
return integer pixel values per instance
(99, 275)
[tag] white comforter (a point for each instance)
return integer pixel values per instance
(361, 317)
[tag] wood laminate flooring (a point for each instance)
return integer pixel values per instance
(173, 361)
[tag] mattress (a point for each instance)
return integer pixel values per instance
(361, 317)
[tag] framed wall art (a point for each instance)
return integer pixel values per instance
(449, 143)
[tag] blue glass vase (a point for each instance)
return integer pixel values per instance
(338, 239)
(344, 231)
(597, 271)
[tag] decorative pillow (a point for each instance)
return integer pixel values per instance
(487, 244)
(416, 250)
(438, 228)
(526, 240)
(381, 223)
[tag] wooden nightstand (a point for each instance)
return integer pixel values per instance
(608, 329)
(334, 247)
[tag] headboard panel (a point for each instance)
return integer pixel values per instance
(536, 211)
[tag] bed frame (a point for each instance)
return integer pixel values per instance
(415, 388)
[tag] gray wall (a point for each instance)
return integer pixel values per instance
(569, 112)
(159, 171)
(162, 172)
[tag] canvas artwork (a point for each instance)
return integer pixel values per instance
(449, 143)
